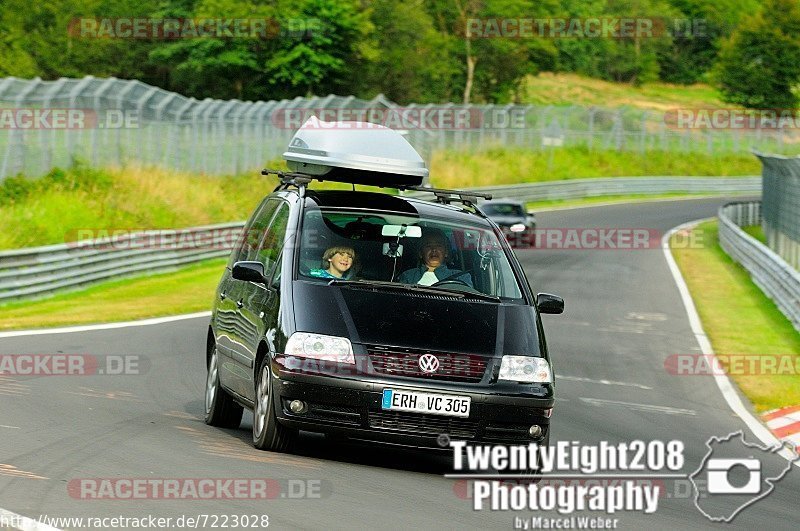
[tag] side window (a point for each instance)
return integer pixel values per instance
(272, 241)
(253, 230)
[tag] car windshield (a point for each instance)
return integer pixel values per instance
(408, 250)
(502, 209)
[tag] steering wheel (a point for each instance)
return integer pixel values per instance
(452, 279)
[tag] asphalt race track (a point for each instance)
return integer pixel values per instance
(624, 317)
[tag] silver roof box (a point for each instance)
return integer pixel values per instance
(355, 152)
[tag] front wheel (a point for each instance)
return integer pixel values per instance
(267, 433)
(221, 410)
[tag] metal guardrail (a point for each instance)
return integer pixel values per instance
(776, 278)
(781, 203)
(581, 188)
(40, 271)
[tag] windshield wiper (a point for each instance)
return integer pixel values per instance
(471, 294)
(399, 286)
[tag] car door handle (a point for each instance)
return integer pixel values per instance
(239, 303)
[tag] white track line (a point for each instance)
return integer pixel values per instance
(23, 523)
(104, 326)
(724, 384)
(17, 521)
(604, 382)
(648, 408)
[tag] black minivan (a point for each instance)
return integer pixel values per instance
(376, 316)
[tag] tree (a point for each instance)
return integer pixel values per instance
(412, 61)
(327, 57)
(697, 36)
(759, 66)
(216, 66)
(494, 66)
(627, 58)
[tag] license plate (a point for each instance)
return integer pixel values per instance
(434, 404)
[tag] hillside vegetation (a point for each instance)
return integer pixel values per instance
(431, 51)
(50, 209)
(574, 89)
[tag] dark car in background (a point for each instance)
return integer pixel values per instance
(366, 355)
(518, 225)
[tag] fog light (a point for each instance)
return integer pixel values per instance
(535, 431)
(298, 407)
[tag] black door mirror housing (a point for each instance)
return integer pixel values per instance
(249, 272)
(548, 303)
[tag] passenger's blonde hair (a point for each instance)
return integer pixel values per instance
(337, 249)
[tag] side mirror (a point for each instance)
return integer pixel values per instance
(548, 303)
(249, 272)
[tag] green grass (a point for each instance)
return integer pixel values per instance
(739, 318)
(573, 89)
(186, 290)
(52, 209)
(756, 232)
(500, 165)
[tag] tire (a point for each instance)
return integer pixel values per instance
(221, 410)
(268, 434)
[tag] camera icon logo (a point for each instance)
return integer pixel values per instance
(719, 481)
(735, 474)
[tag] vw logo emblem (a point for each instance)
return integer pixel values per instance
(428, 363)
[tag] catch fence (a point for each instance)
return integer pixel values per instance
(114, 122)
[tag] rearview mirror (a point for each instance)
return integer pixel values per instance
(548, 303)
(402, 231)
(249, 272)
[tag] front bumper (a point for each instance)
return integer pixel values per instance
(351, 407)
(523, 239)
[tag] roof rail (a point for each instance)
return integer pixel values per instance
(443, 195)
(288, 178)
(446, 196)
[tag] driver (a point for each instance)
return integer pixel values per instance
(433, 254)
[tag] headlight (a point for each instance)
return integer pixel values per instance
(526, 369)
(317, 346)
(517, 227)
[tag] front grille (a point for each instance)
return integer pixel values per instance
(422, 423)
(452, 367)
